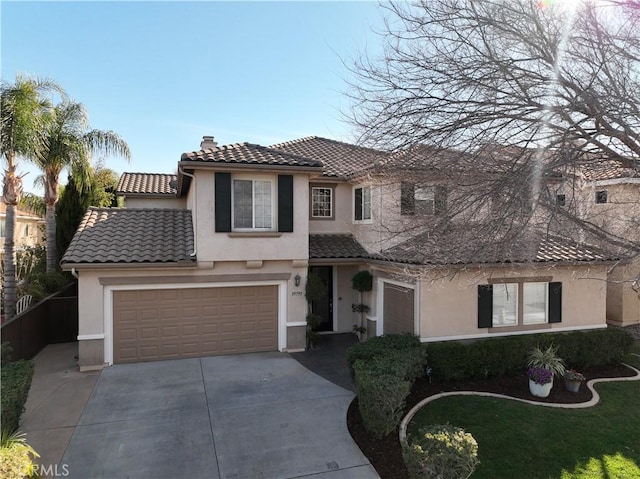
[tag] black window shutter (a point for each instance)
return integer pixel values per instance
(407, 199)
(222, 208)
(358, 204)
(285, 203)
(555, 302)
(485, 306)
(440, 207)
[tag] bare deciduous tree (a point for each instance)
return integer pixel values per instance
(516, 103)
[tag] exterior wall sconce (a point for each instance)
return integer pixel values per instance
(297, 280)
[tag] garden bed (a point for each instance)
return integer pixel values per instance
(385, 454)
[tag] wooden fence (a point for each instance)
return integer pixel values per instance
(52, 320)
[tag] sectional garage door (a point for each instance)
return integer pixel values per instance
(398, 309)
(155, 324)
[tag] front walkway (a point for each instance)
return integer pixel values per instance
(329, 358)
(58, 395)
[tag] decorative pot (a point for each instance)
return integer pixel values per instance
(573, 386)
(540, 390)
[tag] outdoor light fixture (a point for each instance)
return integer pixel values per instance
(297, 280)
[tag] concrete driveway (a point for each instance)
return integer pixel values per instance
(228, 417)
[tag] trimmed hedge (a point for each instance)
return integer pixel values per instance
(453, 361)
(380, 399)
(16, 380)
(384, 369)
(380, 345)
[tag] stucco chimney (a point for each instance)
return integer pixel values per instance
(208, 142)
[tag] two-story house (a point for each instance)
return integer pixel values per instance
(214, 259)
(28, 229)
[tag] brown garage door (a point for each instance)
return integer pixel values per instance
(398, 309)
(177, 323)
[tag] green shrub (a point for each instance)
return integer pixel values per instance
(16, 456)
(362, 281)
(496, 357)
(16, 380)
(378, 346)
(441, 452)
(381, 399)
(594, 348)
(407, 364)
(5, 353)
(384, 368)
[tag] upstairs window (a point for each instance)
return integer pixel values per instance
(321, 202)
(419, 199)
(252, 205)
(601, 196)
(362, 203)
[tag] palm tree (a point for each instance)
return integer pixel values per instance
(25, 113)
(70, 143)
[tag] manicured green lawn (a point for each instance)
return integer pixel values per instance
(522, 441)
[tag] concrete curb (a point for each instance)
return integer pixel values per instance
(592, 402)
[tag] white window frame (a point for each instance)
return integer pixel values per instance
(253, 179)
(520, 298)
(331, 205)
(364, 189)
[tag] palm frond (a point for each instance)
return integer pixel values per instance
(107, 142)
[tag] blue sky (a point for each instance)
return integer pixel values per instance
(162, 74)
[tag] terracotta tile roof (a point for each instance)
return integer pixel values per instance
(147, 184)
(609, 170)
(335, 246)
(340, 160)
(248, 153)
(132, 235)
(527, 248)
(20, 213)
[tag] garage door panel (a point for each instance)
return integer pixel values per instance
(163, 324)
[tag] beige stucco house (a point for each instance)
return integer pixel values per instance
(28, 229)
(214, 259)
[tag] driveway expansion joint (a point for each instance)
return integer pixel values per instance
(595, 399)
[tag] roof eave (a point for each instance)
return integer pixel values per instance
(222, 166)
(187, 264)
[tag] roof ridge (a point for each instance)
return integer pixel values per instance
(118, 208)
(146, 173)
(331, 140)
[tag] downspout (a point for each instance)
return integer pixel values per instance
(74, 273)
(195, 210)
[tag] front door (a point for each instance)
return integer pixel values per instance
(323, 307)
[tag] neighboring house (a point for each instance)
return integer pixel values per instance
(214, 259)
(611, 197)
(28, 229)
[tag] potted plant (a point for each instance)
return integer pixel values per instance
(362, 281)
(547, 359)
(540, 381)
(572, 380)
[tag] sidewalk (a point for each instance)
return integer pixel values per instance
(58, 395)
